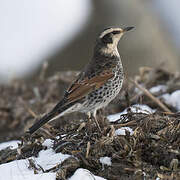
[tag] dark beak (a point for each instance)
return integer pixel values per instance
(127, 29)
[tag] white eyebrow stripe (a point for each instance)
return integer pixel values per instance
(109, 31)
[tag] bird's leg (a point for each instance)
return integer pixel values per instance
(89, 122)
(96, 121)
(103, 120)
(89, 117)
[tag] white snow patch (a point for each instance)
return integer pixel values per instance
(48, 143)
(18, 170)
(173, 99)
(48, 158)
(11, 144)
(137, 108)
(84, 174)
(122, 131)
(105, 161)
(158, 88)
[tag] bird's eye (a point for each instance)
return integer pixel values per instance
(116, 32)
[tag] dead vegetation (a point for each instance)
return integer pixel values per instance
(152, 151)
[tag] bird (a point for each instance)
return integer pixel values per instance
(97, 84)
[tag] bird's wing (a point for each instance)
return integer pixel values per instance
(81, 88)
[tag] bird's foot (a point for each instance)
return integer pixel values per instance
(97, 124)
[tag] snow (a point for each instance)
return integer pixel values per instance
(84, 174)
(48, 143)
(48, 158)
(137, 108)
(122, 131)
(11, 144)
(105, 161)
(19, 169)
(158, 88)
(173, 99)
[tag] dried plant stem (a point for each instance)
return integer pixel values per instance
(147, 93)
(88, 148)
(33, 114)
(43, 71)
(117, 126)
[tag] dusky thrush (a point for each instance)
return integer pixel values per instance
(97, 84)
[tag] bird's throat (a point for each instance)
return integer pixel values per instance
(109, 50)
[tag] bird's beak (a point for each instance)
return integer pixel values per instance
(127, 29)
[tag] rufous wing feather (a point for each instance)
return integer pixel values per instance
(81, 88)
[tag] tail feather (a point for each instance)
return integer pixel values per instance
(56, 111)
(41, 122)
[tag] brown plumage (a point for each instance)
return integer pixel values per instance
(98, 83)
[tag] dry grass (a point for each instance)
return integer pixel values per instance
(152, 151)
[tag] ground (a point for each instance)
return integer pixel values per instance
(140, 135)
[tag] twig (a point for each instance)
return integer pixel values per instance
(88, 148)
(43, 71)
(47, 133)
(147, 93)
(82, 125)
(124, 124)
(28, 109)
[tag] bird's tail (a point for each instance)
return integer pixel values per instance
(47, 117)
(56, 111)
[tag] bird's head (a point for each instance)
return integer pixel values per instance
(111, 36)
